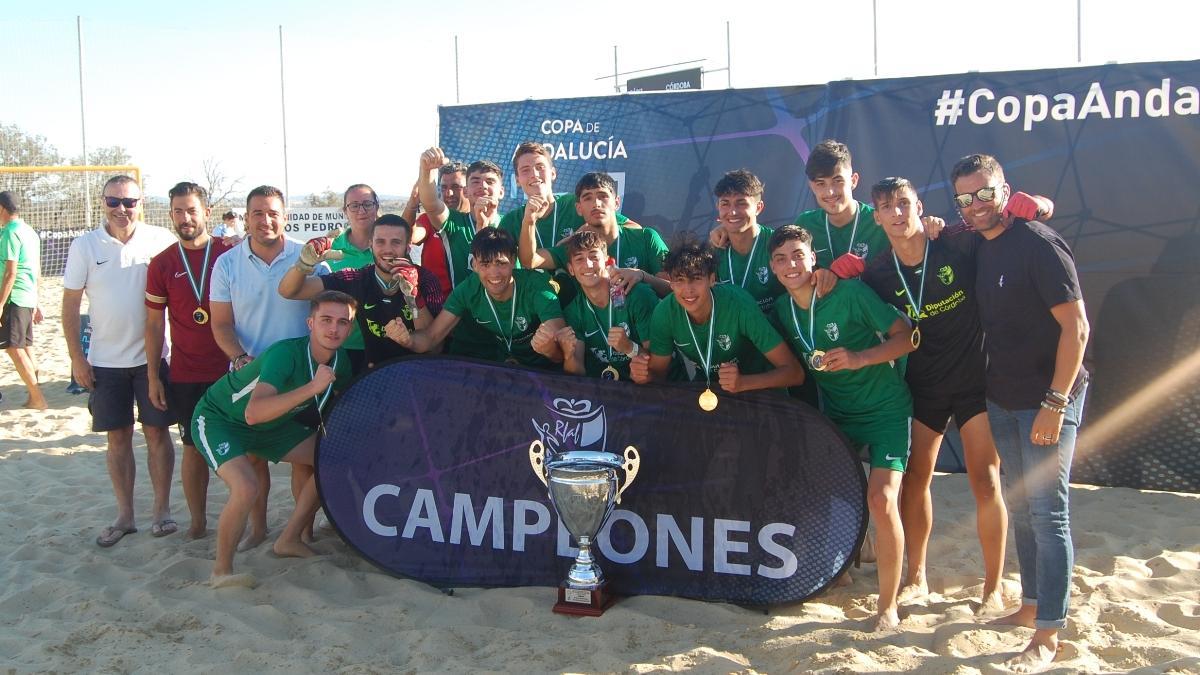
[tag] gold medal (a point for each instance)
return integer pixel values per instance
(708, 401)
(610, 373)
(816, 359)
(916, 337)
(200, 316)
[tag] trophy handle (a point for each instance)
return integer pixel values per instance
(537, 459)
(632, 461)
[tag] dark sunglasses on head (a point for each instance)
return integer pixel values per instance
(127, 202)
(983, 194)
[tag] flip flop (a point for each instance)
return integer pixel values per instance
(111, 535)
(164, 527)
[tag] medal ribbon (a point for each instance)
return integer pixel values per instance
(197, 288)
(920, 299)
(712, 325)
(853, 231)
(601, 327)
(811, 343)
(512, 319)
(553, 227)
(312, 373)
(750, 258)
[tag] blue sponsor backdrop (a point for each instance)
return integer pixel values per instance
(1116, 147)
(425, 471)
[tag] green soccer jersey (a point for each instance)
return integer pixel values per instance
(591, 325)
(851, 316)
(511, 322)
(468, 338)
(862, 236)
(751, 272)
(20, 245)
(740, 333)
(634, 248)
(560, 223)
(286, 365)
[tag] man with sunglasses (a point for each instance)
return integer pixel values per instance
(109, 265)
(1031, 309)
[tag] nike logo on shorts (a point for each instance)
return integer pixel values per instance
(892, 459)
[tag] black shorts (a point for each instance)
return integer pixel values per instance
(113, 395)
(16, 326)
(935, 412)
(182, 398)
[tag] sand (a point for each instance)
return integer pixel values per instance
(145, 605)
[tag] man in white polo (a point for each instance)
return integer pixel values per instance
(249, 315)
(109, 265)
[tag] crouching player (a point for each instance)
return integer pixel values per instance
(253, 410)
(863, 392)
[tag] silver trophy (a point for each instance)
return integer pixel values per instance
(583, 488)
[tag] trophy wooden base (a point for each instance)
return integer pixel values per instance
(580, 602)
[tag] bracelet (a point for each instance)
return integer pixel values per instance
(239, 357)
(1061, 410)
(1062, 399)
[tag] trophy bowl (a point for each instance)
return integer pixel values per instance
(583, 487)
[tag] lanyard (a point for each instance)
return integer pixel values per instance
(553, 226)
(811, 343)
(853, 231)
(508, 340)
(601, 326)
(712, 326)
(312, 373)
(198, 289)
(920, 299)
(750, 258)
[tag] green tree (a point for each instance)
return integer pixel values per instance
(326, 198)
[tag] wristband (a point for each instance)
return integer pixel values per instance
(635, 351)
(1060, 410)
(304, 267)
(239, 357)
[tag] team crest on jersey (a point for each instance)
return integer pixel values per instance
(631, 261)
(407, 312)
(566, 232)
(521, 323)
(946, 274)
(763, 274)
(860, 249)
(724, 342)
(223, 448)
(831, 330)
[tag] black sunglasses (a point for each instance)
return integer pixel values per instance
(983, 194)
(127, 202)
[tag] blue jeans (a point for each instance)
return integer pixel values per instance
(1036, 488)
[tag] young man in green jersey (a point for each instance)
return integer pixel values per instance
(254, 411)
(637, 252)
(605, 326)
(863, 390)
(745, 262)
(509, 304)
(717, 327)
(457, 229)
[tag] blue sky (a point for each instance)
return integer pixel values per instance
(180, 83)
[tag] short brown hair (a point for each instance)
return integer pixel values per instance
(584, 240)
(332, 296)
(531, 148)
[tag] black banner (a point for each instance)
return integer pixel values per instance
(425, 470)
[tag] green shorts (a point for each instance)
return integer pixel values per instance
(219, 441)
(888, 440)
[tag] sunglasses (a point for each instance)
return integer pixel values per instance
(127, 202)
(983, 194)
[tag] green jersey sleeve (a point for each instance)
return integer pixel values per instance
(661, 328)
(756, 326)
(545, 302)
(459, 301)
(873, 311)
(282, 364)
(641, 303)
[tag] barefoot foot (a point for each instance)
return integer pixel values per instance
(913, 592)
(1022, 617)
(887, 622)
(292, 549)
(1037, 657)
(252, 541)
(232, 581)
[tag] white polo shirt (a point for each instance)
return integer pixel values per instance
(261, 316)
(113, 277)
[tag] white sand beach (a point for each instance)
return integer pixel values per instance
(144, 605)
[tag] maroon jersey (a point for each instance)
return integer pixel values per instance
(195, 356)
